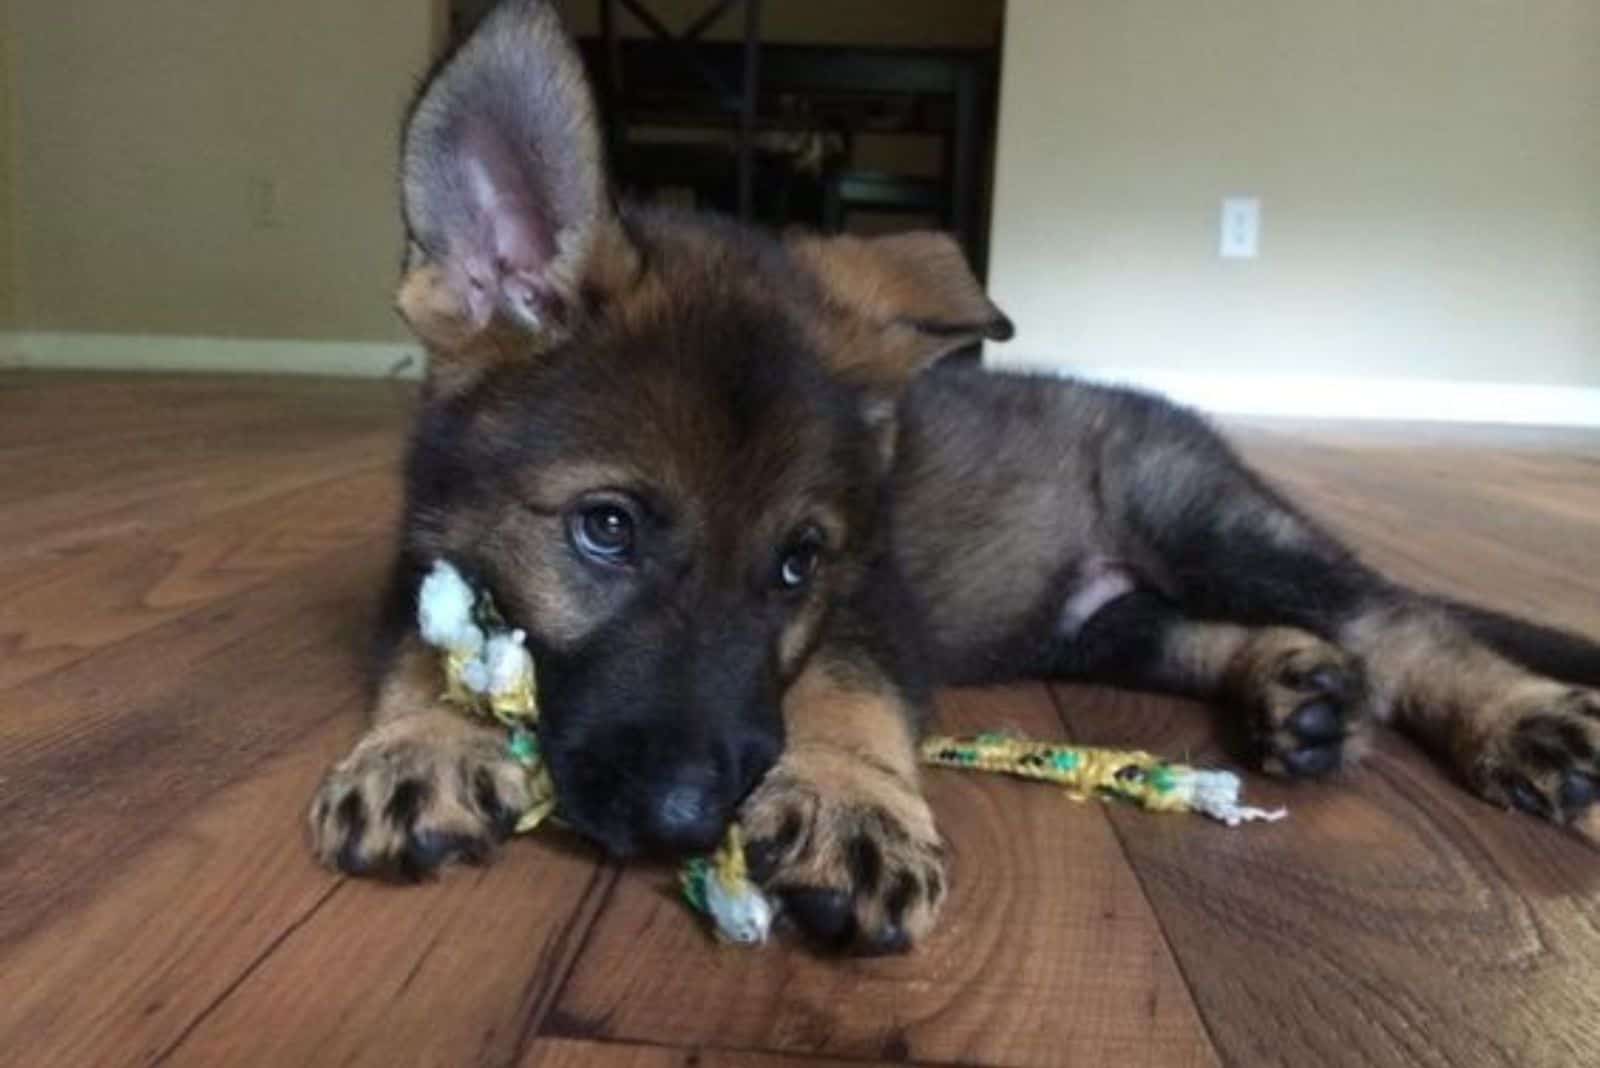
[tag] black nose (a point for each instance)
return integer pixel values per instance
(686, 814)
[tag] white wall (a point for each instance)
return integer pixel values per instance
(1430, 173)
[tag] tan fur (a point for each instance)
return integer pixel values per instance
(904, 301)
(849, 775)
(449, 759)
(1498, 723)
(1268, 674)
(1271, 673)
(800, 637)
(412, 685)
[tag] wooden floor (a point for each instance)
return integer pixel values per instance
(186, 572)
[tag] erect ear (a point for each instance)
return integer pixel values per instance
(506, 206)
(897, 303)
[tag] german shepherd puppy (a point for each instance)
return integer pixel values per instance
(746, 530)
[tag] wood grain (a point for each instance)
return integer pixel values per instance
(570, 1053)
(188, 568)
(101, 757)
(119, 974)
(461, 970)
(1391, 919)
(138, 584)
(1047, 954)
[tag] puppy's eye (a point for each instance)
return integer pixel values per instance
(604, 532)
(798, 563)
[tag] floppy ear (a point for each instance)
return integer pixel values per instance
(897, 304)
(506, 207)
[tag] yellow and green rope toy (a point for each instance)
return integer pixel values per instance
(489, 672)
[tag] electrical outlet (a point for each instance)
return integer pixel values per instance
(266, 205)
(1241, 228)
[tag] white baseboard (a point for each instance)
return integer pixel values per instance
(1293, 396)
(126, 352)
(1339, 397)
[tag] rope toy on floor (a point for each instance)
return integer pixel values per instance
(1129, 775)
(489, 673)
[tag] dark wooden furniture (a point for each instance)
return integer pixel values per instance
(685, 48)
(945, 92)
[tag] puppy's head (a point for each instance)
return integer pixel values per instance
(658, 439)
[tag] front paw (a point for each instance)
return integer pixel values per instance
(1540, 752)
(850, 848)
(416, 793)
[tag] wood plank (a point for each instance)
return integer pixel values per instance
(43, 411)
(1394, 903)
(1458, 520)
(100, 757)
(225, 944)
(118, 975)
(1047, 953)
(169, 493)
(1391, 919)
(571, 1053)
(458, 971)
(138, 585)
(92, 459)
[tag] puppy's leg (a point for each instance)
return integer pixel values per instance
(1519, 739)
(839, 828)
(424, 786)
(1226, 546)
(1305, 699)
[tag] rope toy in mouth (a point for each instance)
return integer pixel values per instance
(490, 673)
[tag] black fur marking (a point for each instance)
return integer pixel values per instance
(765, 855)
(406, 800)
(900, 898)
(1539, 743)
(1544, 650)
(865, 863)
(500, 817)
(352, 814)
(352, 817)
(1124, 642)
(1577, 741)
(1522, 795)
(935, 884)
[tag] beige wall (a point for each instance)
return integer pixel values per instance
(1429, 171)
(221, 168)
(8, 282)
(226, 168)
